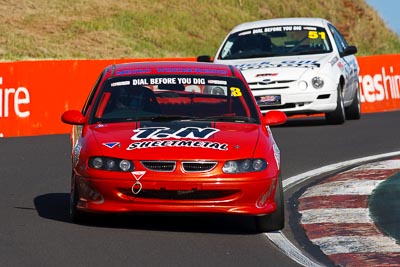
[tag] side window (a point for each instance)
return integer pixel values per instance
(91, 95)
(339, 39)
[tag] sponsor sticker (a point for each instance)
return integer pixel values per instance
(268, 100)
(112, 144)
(183, 137)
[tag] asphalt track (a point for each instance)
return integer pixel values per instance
(35, 230)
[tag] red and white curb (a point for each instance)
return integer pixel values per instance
(336, 218)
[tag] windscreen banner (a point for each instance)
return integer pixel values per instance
(34, 94)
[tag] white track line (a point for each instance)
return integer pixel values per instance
(278, 237)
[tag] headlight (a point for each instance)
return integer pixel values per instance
(317, 82)
(96, 163)
(259, 165)
(125, 165)
(230, 167)
(244, 165)
(111, 164)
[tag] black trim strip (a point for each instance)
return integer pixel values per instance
(113, 71)
(232, 70)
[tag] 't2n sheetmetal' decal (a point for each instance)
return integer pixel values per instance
(166, 132)
(167, 137)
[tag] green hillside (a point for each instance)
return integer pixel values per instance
(93, 29)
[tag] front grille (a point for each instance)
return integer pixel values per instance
(283, 84)
(193, 194)
(286, 106)
(161, 166)
(195, 166)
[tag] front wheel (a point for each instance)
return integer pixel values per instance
(75, 215)
(337, 116)
(353, 112)
(276, 220)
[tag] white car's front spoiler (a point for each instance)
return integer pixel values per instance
(300, 103)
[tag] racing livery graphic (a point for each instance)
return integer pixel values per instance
(165, 133)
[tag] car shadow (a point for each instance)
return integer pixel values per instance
(55, 206)
(306, 121)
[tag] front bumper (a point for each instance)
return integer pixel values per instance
(121, 196)
(294, 102)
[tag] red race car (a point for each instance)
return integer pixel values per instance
(181, 137)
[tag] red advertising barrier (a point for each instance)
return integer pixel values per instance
(380, 83)
(34, 94)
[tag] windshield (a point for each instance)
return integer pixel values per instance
(276, 41)
(179, 97)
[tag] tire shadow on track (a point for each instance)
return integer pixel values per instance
(55, 206)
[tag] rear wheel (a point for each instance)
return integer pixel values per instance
(353, 112)
(337, 116)
(276, 220)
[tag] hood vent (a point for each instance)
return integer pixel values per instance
(277, 84)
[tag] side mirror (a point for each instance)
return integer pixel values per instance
(274, 117)
(350, 50)
(204, 58)
(73, 117)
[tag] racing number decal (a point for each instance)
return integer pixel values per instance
(315, 35)
(236, 91)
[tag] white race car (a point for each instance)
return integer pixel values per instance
(296, 65)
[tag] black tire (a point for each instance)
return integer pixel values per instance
(276, 220)
(353, 112)
(75, 215)
(338, 115)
